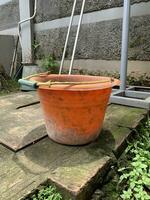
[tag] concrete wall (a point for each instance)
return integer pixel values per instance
(7, 45)
(100, 36)
(99, 40)
(9, 14)
(138, 67)
(54, 9)
(9, 17)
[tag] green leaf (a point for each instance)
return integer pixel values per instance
(127, 194)
(132, 185)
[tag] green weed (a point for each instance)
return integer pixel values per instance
(10, 87)
(135, 179)
(50, 64)
(47, 193)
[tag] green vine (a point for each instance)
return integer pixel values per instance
(135, 178)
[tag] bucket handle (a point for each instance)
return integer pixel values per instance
(36, 84)
(31, 84)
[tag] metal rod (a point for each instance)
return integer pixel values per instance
(67, 37)
(77, 36)
(14, 58)
(125, 40)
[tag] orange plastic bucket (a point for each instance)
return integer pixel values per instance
(74, 113)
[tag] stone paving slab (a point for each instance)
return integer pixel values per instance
(15, 100)
(20, 125)
(75, 170)
(70, 167)
(120, 121)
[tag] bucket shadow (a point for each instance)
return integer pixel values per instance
(48, 156)
(105, 142)
(33, 136)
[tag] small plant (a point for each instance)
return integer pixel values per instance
(135, 178)
(49, 63)
(35, 45)
(47, 193)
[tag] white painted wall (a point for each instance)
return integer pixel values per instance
(4, 1)
(138, 67)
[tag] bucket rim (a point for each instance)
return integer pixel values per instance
(72, 82)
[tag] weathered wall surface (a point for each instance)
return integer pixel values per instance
(9, 15)
(54, 9)
(99, 40)
(7, 46)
